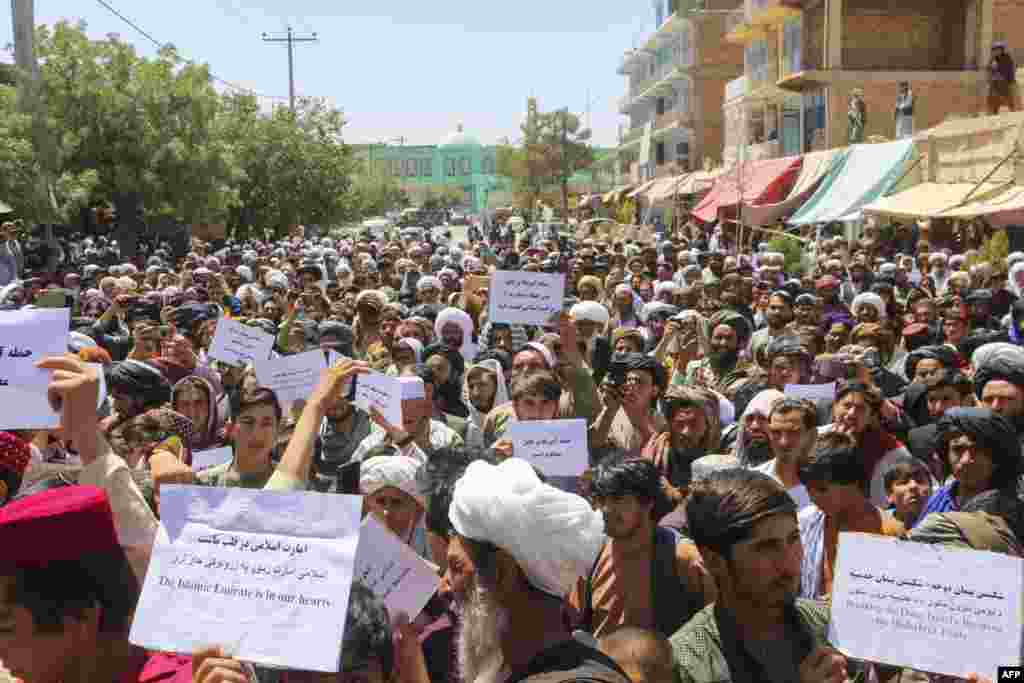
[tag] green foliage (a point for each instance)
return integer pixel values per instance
(993, 251)
(376, 194)
(294, 168)
(154, 133)
(447, 197)
(792, 250)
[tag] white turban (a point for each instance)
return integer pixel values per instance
(415, 344)
(244, 272)
(126, 283)
(1014, 258)
(666, 286)
(590, 311)
(462, 319)
(396, 471)
(872, 300)
(554, 536)
(429, 281)
(277, 279)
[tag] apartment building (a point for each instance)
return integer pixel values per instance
(803, 58)
(676, 79)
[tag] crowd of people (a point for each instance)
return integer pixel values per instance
(740, 417)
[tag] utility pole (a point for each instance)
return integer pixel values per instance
(291, 39)
(30, 96)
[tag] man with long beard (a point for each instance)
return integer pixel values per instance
(722, 368)
(518, 545)
(752, 445)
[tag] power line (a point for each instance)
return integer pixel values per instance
(290, 38)
(161, 45)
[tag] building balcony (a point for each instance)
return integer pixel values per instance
(671, 120)
(773, 12)
(630, 59)
(739, 30)
(737, 88)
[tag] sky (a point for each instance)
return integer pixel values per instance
(402, 68)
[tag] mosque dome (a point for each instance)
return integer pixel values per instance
(460, 138)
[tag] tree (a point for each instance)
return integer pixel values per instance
(294, 167)
(378, 194)
(147, 128)
(553, 148)
(563, 146)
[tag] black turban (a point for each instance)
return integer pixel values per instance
(140, 380)
(338, 336)
(989, 430)
(941, 353)
(999, 368)
(734, 320)
(642, 361)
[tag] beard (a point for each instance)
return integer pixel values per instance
(723, 360)
(482, 622)
(757, 452)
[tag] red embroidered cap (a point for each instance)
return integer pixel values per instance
(64, 523)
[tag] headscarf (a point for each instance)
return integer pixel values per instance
(462, 319)
(209, 435)
(500, 394)
(135, 438)
(415, 344)
(553, 536)
(761, 404)
(396, 471)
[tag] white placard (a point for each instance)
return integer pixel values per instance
(812, 392)
(523, 298)
(935, 609)
(558, 448)
(204, 460)
(292, 377)
(264, 574)
(28, 337)
(237, 344)
(377, 390)
(400, 578)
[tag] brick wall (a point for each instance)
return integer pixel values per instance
(813, 50)
(933, 103)
(710, 125)
(911, 34)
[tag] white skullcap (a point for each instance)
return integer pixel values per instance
(872, 300)
(429, 281)
(412, 388)
(396, 471)
(544, 351)
(590, 311)
(554, 536)
(762, 403)
(985, 353)
(704, 467)
(887, 268)
(277, 279)
(666, 286)
(1014, 258)
(244, 272)
(126, 283)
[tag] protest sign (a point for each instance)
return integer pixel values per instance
(263, 574)
(400, 578)
(812, 392)
(558, 448)
(204, 460)
(237, 344)
(29, 336)
(377, 390)
(927, 607)
(291, 377)
(523, 298)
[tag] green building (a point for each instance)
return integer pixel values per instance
(459, 163)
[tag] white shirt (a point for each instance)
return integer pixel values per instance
(798, 493)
